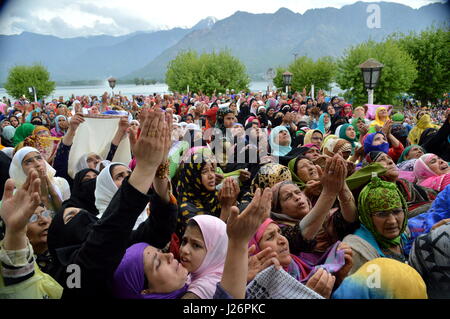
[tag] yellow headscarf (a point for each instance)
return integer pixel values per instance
(423, 124)
(377, 120)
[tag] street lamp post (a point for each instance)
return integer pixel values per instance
(371, 71)
(287, 79)
(33, 90)
(112, 84)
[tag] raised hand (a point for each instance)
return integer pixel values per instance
(261, 261)
(75, 121)
(229, 192)
(334, 174)
(17, 209)
(242, 227)
(322, 282)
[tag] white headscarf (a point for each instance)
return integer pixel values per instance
(105, 189)
(8, 151)
(16, 171)
(82, 162)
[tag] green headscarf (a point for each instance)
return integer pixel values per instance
(406, 151)
(22, 132)
(398, 117)
(363, 175)
(291, 165)
(343, 135)
(355, 126)
(378, 196)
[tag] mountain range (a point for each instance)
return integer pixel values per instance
(260, 41)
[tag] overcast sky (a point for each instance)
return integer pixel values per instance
(70, 18)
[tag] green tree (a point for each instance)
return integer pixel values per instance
(208, 73)
(430, 50)
(307, 72)
(22, 77)
(397, 75)
(278, 79)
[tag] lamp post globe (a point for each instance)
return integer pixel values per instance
(371, 72)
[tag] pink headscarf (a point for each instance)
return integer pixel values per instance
(426, 177)
(258, 235)
(206, 277)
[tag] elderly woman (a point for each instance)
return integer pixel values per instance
(383, 216)
(432, 172)
(381, 117)
(302, 222)
(313, 137)
(280, 141)
(54, 190)
(61, 126)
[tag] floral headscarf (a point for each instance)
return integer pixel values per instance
(270, 174)
(378, 196)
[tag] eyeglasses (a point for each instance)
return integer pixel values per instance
(386, 214)
(46, 213)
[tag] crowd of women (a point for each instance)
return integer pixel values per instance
(245, 195)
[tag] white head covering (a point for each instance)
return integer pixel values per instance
(16, 171)
(82, 162)
(105, 188)
(8, 151)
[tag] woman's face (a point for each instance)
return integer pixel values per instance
(317, 138)
(387, 162)
(293, 202)
(233, 107)
(414, 152)
(189, 119)
(379, 139)
(389, 223)
(118, 174)
(34, 160)
(134, 124)
(6, 123)
(37, 231)
(62, 122)
(192, 249)
(283, 138)
(92, 160)
(303, 109)
(438, 166)
(350, 132)
(43, 133)
(89, 175)
(331, 110)
(312, 154)
(272, 238)
(238, 130)
(270, 112)
(347, 109)
(228, 120)
(14, 121)
(326, 119)
(164, 273)
(70, 213)
(209, 177)
(306, 170)
(382, 113)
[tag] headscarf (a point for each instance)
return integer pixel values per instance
(378, 196)
(355, 126)
(406, 152)
(398, 117)
(277, 149)
(83, 193)
(8, 132)
(398, 281)
(105, 188)
(16, 171)
(297, 268)
(22, 132)
(292, 168)
(129, 277)
(342, 133)
(368, 147)
(321, 125)
(308, 136)
(220, 118)
(59, 132)
(430, 257)
(276, 203)
(425, 176)
(416, 132)
(333, 145)
(377, 120)
(363, 175)
(192, 195)
(407, 166)
(270, 174)
(204, 280)
(82, 162)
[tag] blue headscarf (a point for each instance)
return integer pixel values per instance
(57, 123)
(368, 147)
(321, 125)
(277, 149)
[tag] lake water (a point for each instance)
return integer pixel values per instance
(127, 89)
